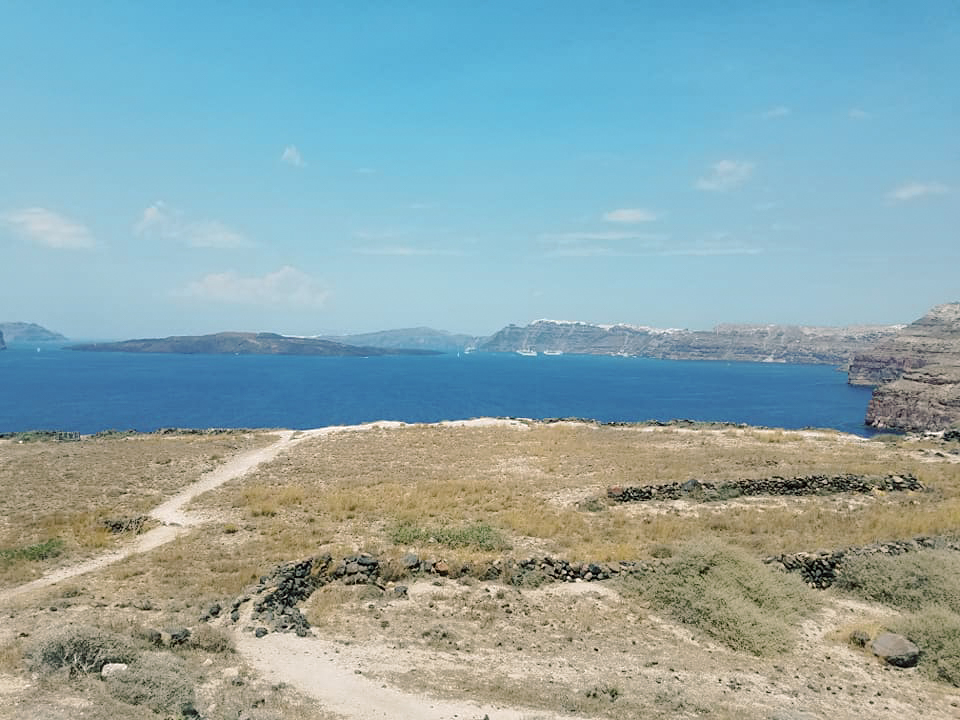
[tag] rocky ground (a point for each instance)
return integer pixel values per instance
(280, 593)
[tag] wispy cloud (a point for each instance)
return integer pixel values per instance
(725, 175)
(599, 244)
(291, 156)
(914, 190)
(286, 287)
(160, 221)
(630, 215)
(776, 112)
(858, 114)
(622, 244)
(49, 229)
(405, 251)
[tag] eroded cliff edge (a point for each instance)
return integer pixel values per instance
(917, 374)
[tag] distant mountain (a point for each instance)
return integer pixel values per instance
(17, 332)
(750, 343)
(917, 373)
(422, 338)
(242, 343)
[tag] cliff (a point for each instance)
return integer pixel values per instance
(3, 345)
(422, 338)
(918, 373)
(749, 343)
(17, 332)
(241, 343)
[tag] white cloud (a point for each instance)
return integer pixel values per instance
(291, 156)
(858, 114)
(160, 221)
(404, 251)
(630, 215)
(287, 287)
(725, 175)
(913, 190)
(47, 228)
(776, 112)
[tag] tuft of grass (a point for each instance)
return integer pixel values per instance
(731, 596)
(936, 631)
(479, 536)
(911, 581)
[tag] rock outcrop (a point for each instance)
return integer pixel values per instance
(747, 343)
(24, 332)
(243, 343)
(918, 374)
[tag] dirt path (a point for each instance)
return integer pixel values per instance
(170, 513)
(328, 672)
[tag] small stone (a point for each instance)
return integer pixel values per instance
(441, 568)
(411, 561)
(112, 669)
(260, 632)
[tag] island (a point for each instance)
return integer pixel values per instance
(244, 343)
(729, 342)
(24, 332)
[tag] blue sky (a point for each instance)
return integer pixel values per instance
(180, 167)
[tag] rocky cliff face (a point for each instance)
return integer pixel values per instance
(3, 345)
(749, 343)
(918, 373)
(934, 339)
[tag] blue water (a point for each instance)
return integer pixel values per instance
(88, 392)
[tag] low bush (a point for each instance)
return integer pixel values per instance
(211, 639)
(479, 536)
(731, 596)
(157, 680)
(80, 649)
(38, 551)
(936, 631)
(911, 581)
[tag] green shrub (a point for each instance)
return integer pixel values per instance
(80, 649)
(479, 536)
(158, 680)
(911, 581)
(38, 551)
(936, 631)
(731, 596)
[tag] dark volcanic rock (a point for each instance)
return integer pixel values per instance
(243, 343)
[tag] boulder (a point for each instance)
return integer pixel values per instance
(896, 650)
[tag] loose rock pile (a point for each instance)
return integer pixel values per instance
(275, 598)
(803, 485)
(122, 525)
(820, 569)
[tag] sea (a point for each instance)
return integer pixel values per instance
(51, 388)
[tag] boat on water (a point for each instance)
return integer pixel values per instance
(553, 352)
(527, 353)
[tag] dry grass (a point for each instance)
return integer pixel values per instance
(63, 491)
(353, 490)
(597, 650)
